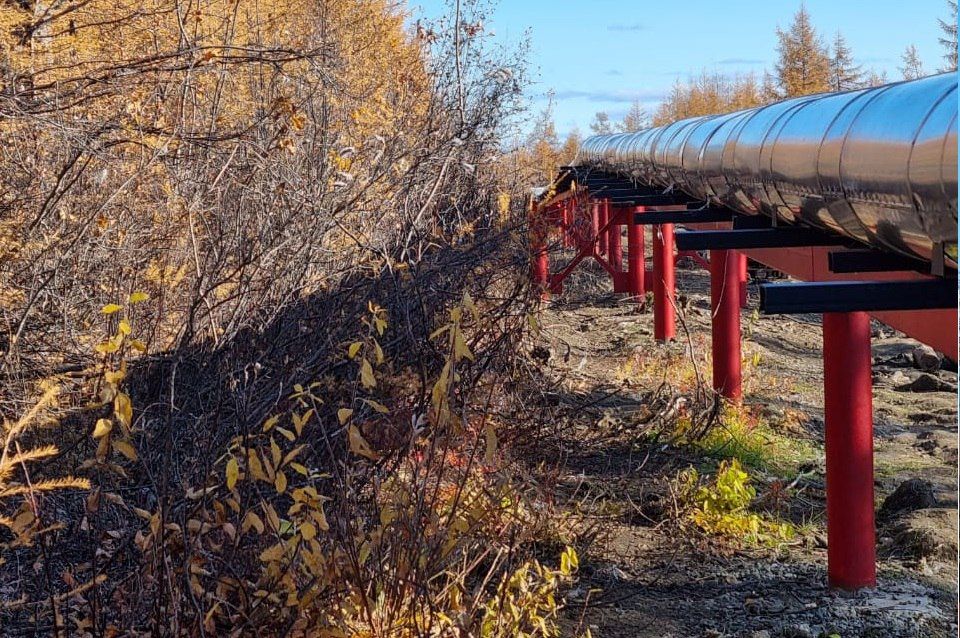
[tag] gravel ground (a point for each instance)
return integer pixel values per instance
(643, 575)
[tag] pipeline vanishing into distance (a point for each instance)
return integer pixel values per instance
(878, 165)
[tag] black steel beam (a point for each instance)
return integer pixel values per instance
(782, 237)
(873, 261)
(704, 216)
(853, 296)
(749, 222)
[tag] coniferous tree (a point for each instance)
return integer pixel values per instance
(570, 147)
(804, 64)
(876, 78)
(635, 120)
(601, 124)
(949, 39)
(844, 73)
(912, 64)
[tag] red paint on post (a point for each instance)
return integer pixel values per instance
(635, 254)
(744, 277)
(601, 223)
(664, 297)
(848, 416)
(725, 313)
(614, 240)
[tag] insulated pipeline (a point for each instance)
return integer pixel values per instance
(878, 165)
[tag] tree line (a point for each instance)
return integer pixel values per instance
(806, 64)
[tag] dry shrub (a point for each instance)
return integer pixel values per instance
(229, 230)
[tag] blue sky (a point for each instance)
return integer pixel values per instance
(600, 55)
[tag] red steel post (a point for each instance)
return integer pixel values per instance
(664, 297)
(539, 259)
(614, 241)
(567, 224)
(744, 277)
(848, 421)
(725, 318)
(636, 268)
(594, 223)
(602, 221)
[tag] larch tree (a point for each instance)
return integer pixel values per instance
(845, 74)
(635, 120)
(876, 78)
(570, 147)
(912, 64)
(601, 124)
(804, 62)
(949, 38)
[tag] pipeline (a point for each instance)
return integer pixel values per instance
(878, 165)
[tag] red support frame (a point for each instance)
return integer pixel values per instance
(725, 321)
(848, 422)
(614, 240)
(664, 284)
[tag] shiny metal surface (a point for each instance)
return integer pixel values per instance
(878, 165)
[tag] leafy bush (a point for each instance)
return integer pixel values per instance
(721, 506)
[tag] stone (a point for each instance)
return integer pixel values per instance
(926, 358)
(927, 382)
(912, 494)
(928, 533)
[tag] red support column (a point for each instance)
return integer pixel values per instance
(636, 268)
(848, 417)
(567, 224)
(725, 315)
(744, 277)
(594, 221)
(614, 241)
(539, 259)
(664, 298)
(602, 221)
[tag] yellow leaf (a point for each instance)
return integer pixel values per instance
(111, 308)
(308, 531)
(272, 554)
(124, 327)
(344, 414)
(320, 519)
(114, 376)
(138, 345)
(123, 409)
(256, 468)
(378, 352)
(359, 445)
(251, 520)
(233, 473)
(269, 423)
(139, 296)
(103, 428)
(354, 349)
(300, 469)
(460, 347)
(379, 407)
(366, 375)
(107, 347)
(126, 449)
(280, 483)
(275, 453)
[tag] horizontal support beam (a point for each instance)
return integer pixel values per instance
(851, 261)
(747, 222)
(855, 296)
(783, 237)
(704, 216)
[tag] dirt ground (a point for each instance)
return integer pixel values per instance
(645, 573)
